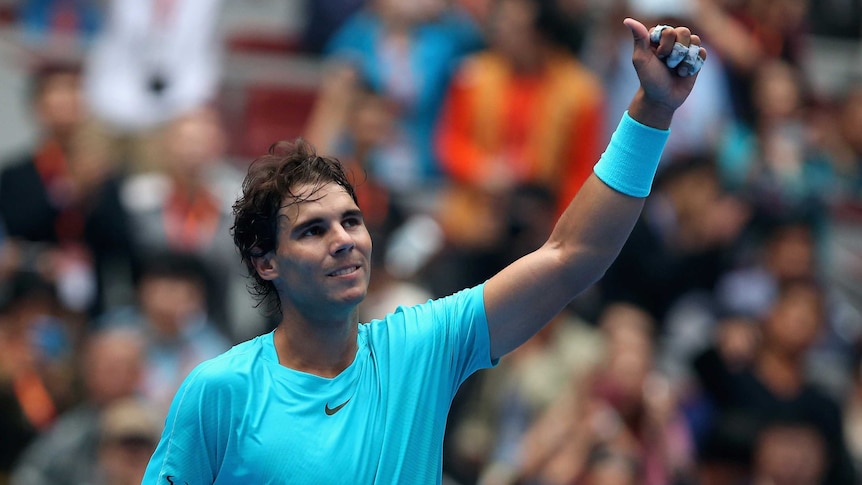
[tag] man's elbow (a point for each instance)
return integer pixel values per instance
(587, 265)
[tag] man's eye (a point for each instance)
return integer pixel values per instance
(311, 231)
(352, 221)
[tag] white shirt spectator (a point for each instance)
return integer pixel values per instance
(153, 60)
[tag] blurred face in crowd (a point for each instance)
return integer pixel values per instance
(628, 358)
(90, 159)
(113, 366)
(370, 119)
(194, 141)
(790, 253)
(169, 302)
(706, 215)
(513, 32)
(789, 455)
(776, 91)
(59, 106)
(794, 322)
(695, 193)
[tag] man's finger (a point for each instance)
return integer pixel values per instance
(639, 33)
(655, 33)
(666, 40)
(683, 35)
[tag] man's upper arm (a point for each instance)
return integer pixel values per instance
(527, 294)
(522, 298)
(191, 447)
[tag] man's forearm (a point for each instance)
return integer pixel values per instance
(603, 213)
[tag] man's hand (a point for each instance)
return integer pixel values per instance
(663, 89)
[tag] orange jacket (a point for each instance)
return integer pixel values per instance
(545, 128)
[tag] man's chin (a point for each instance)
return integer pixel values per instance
(354, 298)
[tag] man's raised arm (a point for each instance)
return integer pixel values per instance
(524, 296)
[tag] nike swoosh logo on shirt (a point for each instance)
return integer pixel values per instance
(330, 411)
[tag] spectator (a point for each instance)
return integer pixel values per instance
(171, 313)
(748, 34)
(186, 209)
(112, 365)
(153, 61)
(128, 433)
(763, 259)
(35, 347)
(773, 160)
(625, 411)
(773, 385)
(512, 396)
(369, 122)
(788, 452)
(41, 179)
(524, 111)
(681, 243)
(63, 194)
(406, 52)
(787, 252)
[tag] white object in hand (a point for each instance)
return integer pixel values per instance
(686, 60)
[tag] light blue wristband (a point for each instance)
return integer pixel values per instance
(629, 163)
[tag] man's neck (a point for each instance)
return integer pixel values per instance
(324, 349)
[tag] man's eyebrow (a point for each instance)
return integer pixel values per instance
(352, 213)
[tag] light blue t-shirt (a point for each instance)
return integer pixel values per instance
(242, 418)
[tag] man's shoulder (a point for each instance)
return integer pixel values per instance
(465, 303)
(457, 300)
(233, 365)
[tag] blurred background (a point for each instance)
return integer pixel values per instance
(724, 346)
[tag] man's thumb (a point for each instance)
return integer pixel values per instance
(639, 33)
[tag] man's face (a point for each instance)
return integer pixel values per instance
(60, 107)
(322, 261)
(795, 321)
(170, 302)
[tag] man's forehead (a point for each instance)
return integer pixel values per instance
(314, 197)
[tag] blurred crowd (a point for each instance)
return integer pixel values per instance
(723, 347)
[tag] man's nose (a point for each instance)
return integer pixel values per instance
(342, 240)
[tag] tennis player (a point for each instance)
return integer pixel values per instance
(326, 400)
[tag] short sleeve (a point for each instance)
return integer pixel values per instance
(193, 442)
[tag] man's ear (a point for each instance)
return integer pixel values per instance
(266, 266)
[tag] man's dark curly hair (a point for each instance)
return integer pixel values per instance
(267, 188)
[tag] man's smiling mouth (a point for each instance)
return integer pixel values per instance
(344, 271)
